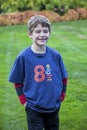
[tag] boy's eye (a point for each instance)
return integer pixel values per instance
(46, 31)
(38, 31)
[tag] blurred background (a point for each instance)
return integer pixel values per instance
(69, 37)
(56, 10)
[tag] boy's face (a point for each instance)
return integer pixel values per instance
(40, 35)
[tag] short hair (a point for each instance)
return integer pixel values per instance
(38, 19)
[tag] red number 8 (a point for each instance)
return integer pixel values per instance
(39, 73)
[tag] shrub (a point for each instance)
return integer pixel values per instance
(75, 14)
(71, 14)
(82, 13)
(22, 17)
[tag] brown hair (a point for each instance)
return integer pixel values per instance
(38, 19)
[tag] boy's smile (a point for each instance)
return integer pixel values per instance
(42, 39)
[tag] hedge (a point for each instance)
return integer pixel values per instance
(23, 17)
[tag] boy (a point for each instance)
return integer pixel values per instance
(40, 78)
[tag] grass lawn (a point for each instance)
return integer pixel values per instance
(70, 39)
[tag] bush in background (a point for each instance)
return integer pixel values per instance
(23, 17)
(58, 6)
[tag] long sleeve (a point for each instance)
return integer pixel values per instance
(63, 94)
(19, 90)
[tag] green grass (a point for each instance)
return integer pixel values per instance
(70, 39)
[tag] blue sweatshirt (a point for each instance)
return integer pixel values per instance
(41, 76)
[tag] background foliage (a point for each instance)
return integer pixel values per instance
(70, 39)
(60, 6)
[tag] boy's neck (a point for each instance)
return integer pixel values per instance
(38, 49)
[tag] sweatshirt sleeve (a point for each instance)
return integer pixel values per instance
(19, 90)
(64, 76)
(63, 94)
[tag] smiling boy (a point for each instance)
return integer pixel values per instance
(40, 77)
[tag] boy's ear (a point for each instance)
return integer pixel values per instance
(30, 34)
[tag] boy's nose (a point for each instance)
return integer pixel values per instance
(42, 33)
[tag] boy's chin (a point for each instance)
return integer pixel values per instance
(42, 44)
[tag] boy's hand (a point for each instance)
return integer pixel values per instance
(25, 104)
(62, 97)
